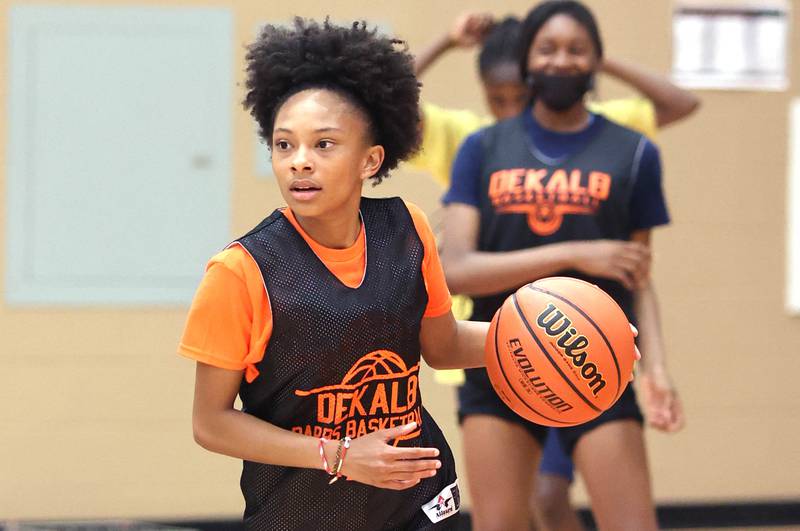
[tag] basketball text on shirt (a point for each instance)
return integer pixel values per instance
(547, 195)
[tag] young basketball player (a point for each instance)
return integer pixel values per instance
(662, 103)
(506, 96)
(317, 317)
(585, 178)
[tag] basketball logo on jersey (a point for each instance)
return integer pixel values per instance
(378, 392)
(547, 196)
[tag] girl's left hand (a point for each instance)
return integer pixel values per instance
(663, 407)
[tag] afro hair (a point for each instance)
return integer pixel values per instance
(372, 72)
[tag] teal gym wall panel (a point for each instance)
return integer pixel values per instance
(119, 152)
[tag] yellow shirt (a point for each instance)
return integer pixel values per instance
(445, 129)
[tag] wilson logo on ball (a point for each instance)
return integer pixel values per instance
(559, 351)
(557, 325)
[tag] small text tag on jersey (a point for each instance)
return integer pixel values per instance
(444, 504)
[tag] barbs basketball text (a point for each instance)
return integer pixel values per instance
(378, 392)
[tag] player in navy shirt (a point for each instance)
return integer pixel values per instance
(647, 203)
(559, 190)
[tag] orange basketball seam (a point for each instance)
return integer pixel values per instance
(549, 358)
(620, 387)
(510, 385)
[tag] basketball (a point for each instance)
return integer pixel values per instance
(559, 351)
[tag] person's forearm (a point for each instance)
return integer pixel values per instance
(480, 273)
(431, 53)
(465, 351)
(671, 102)
(238, 434)
(651, 342)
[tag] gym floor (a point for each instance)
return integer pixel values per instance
(230, 525)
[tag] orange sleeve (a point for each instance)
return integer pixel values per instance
(439, 301)
(230, 319)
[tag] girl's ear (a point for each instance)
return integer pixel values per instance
(372, 162)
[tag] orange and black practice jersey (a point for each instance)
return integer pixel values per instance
(341, 359)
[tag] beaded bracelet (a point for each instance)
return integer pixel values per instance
(322, 441)
(341, 452)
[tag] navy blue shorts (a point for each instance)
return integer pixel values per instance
(626, 408)
(477, 397)
(555, 460)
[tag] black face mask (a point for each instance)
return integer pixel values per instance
(560, 92)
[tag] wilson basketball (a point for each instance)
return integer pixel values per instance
(559, 351)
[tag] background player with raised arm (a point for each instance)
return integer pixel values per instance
(661, 104)
(317, 318)
(444, 129)
(585, 178)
